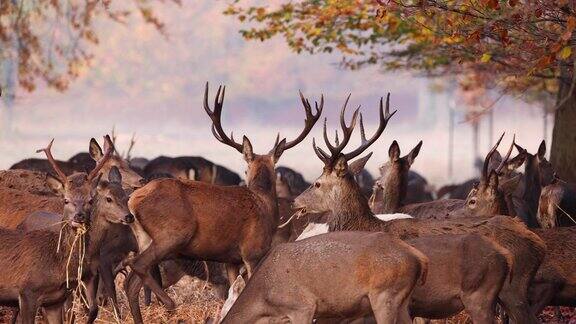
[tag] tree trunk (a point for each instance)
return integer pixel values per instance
(563, 151)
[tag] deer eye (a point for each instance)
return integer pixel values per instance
(317, 184)
(90, 201)
(108, 199)
(66, 201)
(472, 202)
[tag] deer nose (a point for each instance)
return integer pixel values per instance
(129, 218)
(79, 218)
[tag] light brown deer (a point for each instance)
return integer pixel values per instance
(229, 224)
(391, 189)
(337, 192)
(374, 273)
(34, 270)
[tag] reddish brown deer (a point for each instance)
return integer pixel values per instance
(34, 270)
(229, 224)
(375, 274)
(337, 192)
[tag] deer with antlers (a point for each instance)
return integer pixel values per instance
(229, 224)
(514, 248)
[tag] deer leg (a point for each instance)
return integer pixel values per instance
(384, 307)
(54, 314)
(132, 286)
(92, 294)
(232, 271)
(28, 304)
(109, 286)
(155, 272)
(142, 264)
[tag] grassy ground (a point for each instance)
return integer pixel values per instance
(197, 302)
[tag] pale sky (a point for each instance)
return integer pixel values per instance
(146, 84)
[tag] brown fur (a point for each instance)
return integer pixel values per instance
(34, 182)
(375, 274)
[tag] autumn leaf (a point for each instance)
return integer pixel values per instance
(565, 52)
(485, 57)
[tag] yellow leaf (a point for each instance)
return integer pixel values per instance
(565, 52)
(485, 57)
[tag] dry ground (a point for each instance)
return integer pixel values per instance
(196, 302)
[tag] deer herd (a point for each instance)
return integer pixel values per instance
(344, 249)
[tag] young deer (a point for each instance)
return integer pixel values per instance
(514, 248)
(34, 271)
(538, 172)
(229, 224)
(375, 274)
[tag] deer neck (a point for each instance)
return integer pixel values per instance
(532, 188)
(263, 184)
(70, 246)
(393, 192)
(352, 212)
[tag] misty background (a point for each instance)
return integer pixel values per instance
(143, 83)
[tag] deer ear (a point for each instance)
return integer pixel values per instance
(493, 180)
(394, 151)
(414, 153)
(508, 186)
(516, 161)
(54, 184)
(278, 150)
(542, 150)
(247, 149)
(114, 175)
(358, 165)
(95, 150)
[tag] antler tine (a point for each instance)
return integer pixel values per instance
(488, 156)
(336, 137)
(215, 116)
(505, 159)
(48, 151)
(385, 116)
(131, 146)
(347, 133)
(108, 150)
(309, 121)
(320, 153)
(362, 131)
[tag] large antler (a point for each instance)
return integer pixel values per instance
(48, 151)
(507, 157)
(309, 122)
(489, 156)
(385, 116)
(215, 115)
(336, 151)
(108, 151)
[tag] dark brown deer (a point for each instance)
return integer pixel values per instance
(34, 270)
(538, 172)
(193, 168)
(375, 274)
(228, 224)
(460, 281)
(337, 192)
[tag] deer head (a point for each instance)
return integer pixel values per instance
(337, 180)
(260, 169)
(112, 200)
(131, 179)
(488, 196)
(392, 185)
(537, 169)
(79, 188)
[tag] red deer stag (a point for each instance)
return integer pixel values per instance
(375, 274)
(457, 282)
(229, 224)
